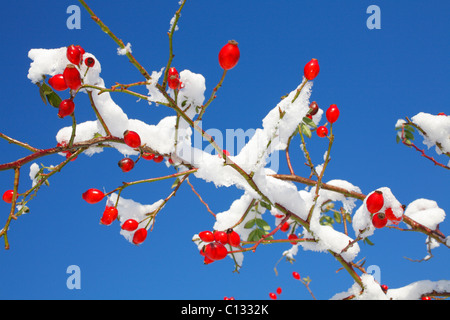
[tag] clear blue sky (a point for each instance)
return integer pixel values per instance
(374, 76)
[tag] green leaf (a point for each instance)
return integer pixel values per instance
(54, 100)
(366, 240)
(262, 224)
(409, 135)
(250, 224)
(255, 235)
(309, 122)
(337, 217)
(42, 93)
(305, 130)
(266, 205)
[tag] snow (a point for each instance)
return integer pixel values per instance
(34, 169)
(124, 51)
(425, 212)
(437, 128)
(373, 291)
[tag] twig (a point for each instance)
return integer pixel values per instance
(200, 198)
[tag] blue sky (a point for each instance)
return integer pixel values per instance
(374, 76)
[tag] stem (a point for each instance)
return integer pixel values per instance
(170, 34)
(19, 143)
(116, 40)
(212, 97)
(99, 117)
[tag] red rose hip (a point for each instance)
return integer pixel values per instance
(132, 139)
(130, 225)
(72, 77)
(74, 54)
(126, 164)
(311, 69)
(229, 55)
(322, 131)
(215, 251)
(109, 215)
(206, 236)
(89, 62)
(66, 108)
(379, 220)
(234, 239)
(139, 236)
(375, 202)
(8, 195)
(93, 196)
(332, 113)
(57, 82)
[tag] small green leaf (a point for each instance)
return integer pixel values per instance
(409, 135)
(309, 122)
(262, 224)
(177, 181)
(366, 240)
(255, 235)
(305, 130)
(266, 205)
(250, 224)
(337, 217)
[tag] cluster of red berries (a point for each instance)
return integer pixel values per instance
(215, 249)
(133, 140)
(310, 72)
(375, 204)
(70, 78)
(111, 213)
(273, 295)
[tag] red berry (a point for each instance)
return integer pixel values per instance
(441, 114)
(93, 196)
(384, 287)
(81, 49)
(66, 108)
(293, 236)
(57, 82)
(173, 72)
(206, 236)
(311, 69)
(332, 113)
(174, 82)
(285, 227)
(148, 156)
(296, 275)
(207, 260)
(109, 215)
(391, 216)
(273, 296)
(234, 239)
(132, 139)
(72, 77)
(130, 225)
(375, 202)
(322, 131)
(8, 196)
(279, 291)
(229, 55)
(139, 236)
(126, 164)
(313, 108)
(74, 54)
(221, 236)
(158, 159)
(426, 298)
(215, 251)
(379, 220)
(90, 62)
